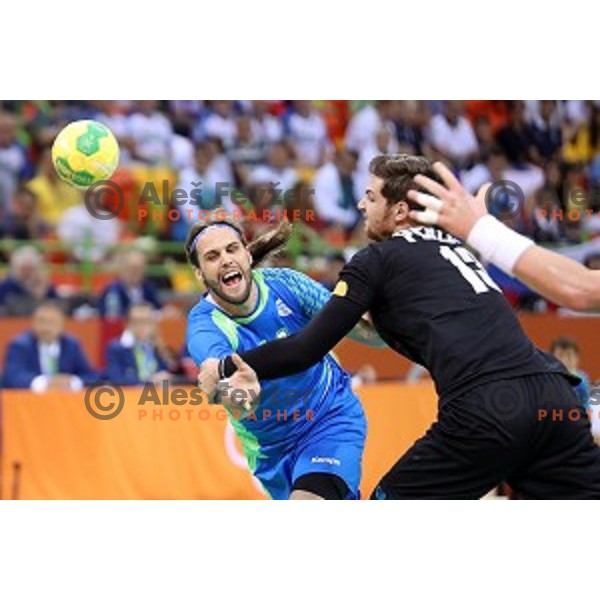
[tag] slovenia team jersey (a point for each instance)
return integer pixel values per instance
(289, 406)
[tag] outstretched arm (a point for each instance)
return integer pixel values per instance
(298, 352)
(556, 277)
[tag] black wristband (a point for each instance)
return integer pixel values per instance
(226, 367)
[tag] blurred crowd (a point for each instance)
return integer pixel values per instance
(313, 153)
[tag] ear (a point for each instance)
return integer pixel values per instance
(198, 274)
(402, 209)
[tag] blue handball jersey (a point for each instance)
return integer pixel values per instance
(288, 406)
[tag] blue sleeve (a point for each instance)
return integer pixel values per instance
(116, 367)
(82, 367)
(205, 339)
(17, 368)
(311, 295)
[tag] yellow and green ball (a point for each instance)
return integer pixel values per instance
(85, 152)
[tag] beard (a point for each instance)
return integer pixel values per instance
(214, 287)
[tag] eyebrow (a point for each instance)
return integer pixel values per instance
(217, 250)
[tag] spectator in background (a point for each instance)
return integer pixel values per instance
(14, 164)
(267, 128)
(90, 237)
(46, 358)
(365, 124)
(23, 221)
(185, 114)
(113, 115)
(245, 152)
(516, 138)
(307, 133)
(131, 287)
(485, 137)
(546, 131)
(27, 284)
(200, 186)
(53, 194)
(384, 143)
(567, 351)
(582, 141)
(547, 228)
(140, 356)
(219, 123)
(336, 195)
(151, 132)
(277, 169)
(452, 135)
(409, 131)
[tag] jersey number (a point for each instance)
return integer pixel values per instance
(470, 268)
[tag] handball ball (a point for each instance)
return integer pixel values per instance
(85, 152)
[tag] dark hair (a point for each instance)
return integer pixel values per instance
(564, 342)
(55, 305)
(260, 248)
(397, 172)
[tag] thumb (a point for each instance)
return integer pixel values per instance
(238, 362)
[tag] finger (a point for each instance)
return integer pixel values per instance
(431, 186)
(483, 192)
(240, 364)
(447, 177)
(425, 217)
(425, 200)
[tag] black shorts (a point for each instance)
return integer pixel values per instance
(531, 432)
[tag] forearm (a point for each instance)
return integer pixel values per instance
(556, 277)
(559, 279)
(298, 352)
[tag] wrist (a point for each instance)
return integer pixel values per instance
(497, 243)
(226, 367)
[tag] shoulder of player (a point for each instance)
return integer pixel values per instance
(278, 276)
(201, 312)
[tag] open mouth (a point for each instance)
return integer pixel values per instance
(231, 279)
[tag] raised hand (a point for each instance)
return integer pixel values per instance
(450, 207)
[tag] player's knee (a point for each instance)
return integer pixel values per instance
(325, 485)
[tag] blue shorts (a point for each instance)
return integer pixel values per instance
(334, 444)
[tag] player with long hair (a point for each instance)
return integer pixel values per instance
(305, 436)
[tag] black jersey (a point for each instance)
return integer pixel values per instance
(433, 302)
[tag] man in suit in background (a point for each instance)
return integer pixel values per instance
(139, 356)
(45, 358)
(131, 287)
(27, 283)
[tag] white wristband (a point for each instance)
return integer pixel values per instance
(497, 243)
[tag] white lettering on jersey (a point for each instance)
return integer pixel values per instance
(427, 234)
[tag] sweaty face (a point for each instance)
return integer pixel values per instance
(379, 217)
(225, 265)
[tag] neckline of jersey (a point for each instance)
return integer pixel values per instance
(263, 293)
